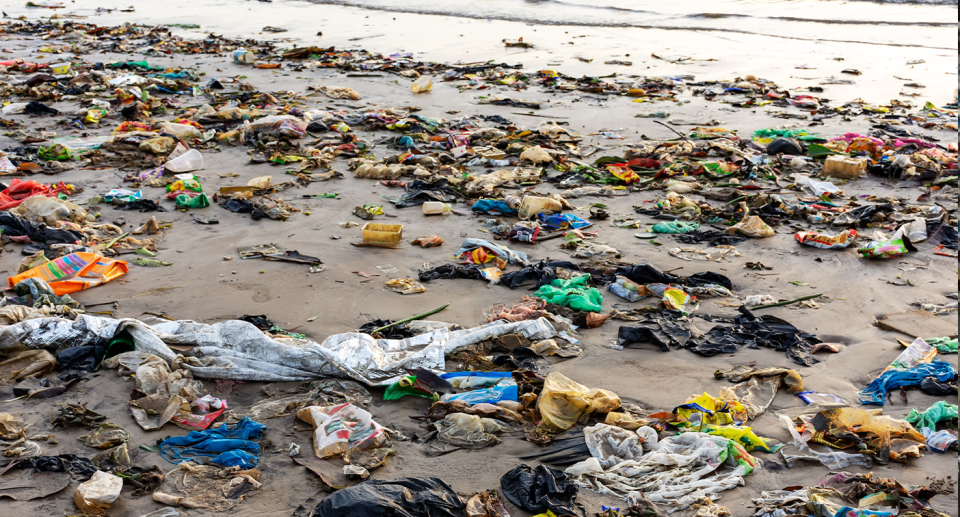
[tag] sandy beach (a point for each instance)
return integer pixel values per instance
(208, 282)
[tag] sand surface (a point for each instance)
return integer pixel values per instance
(204, 287)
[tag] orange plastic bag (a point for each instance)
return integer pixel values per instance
(74, 272)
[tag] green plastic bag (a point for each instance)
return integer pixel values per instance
(185, 201)
(676, 227)
(58, 152)
(572, 293)
(944, 345)
(929, 419)
(407, 386)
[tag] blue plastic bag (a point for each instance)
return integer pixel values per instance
(224, 446)
(876, 393)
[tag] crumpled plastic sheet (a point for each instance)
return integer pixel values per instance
(612, 445)
(680, 471)
(470, 431)
(513, 257)
(876, 392)
(541, 489)
(528, 308)
(407, 497)
(237, 350)
(754, 331)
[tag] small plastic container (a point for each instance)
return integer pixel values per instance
(421, 85)
(60, 68)
(189, 161)
(435, 208)
(386, 235)
(532, 205)
(242, 56)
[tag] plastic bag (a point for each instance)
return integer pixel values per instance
(286, 126)
(885, 249)
(814, 187)
(627, 289)
(407, 497)
(505, 389)
(469, 431)
(752, 226)
(536, 154)
(540, 489)
(74, 272)
(573, 293)
(564, 402)
(677, 300)
(613, 445)
(832, 460)
(98, 494)
(842, 240)
(342, 427)
(703, 410)
(187, 201)
(675, 227)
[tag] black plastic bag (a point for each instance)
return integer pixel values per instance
(539, 489)
(143, 205)
(712, 237)
(395, 332)
(786, 146)
(938, 388)
(408, 497)
(419, 192)
(542, 273)
(13, 225)
(450, 271)
(39, 108)
(80, 469)
(644, 274)
(76, 360)
(240, 206)
(666, 330)
(260, 321)
(755, 331)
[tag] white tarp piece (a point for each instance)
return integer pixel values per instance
(237, 350)
(678, 470)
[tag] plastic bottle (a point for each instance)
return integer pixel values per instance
(513, 202)
(423, 84)
(435, 208)
(189, 161)
(532, 205)
(242, 56)
(815, 218)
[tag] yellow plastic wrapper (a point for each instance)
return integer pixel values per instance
(676, 299)
(703, 410)
(74, 272)
(878, 430)
(564, 402)
(743, 435)
(626, 421)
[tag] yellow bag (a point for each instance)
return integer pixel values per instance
(564, 402)
(702, 410)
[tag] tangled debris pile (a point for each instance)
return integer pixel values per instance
(536, 192)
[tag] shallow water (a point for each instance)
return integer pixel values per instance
(918, 22)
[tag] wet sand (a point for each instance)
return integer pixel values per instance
(206, 288)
